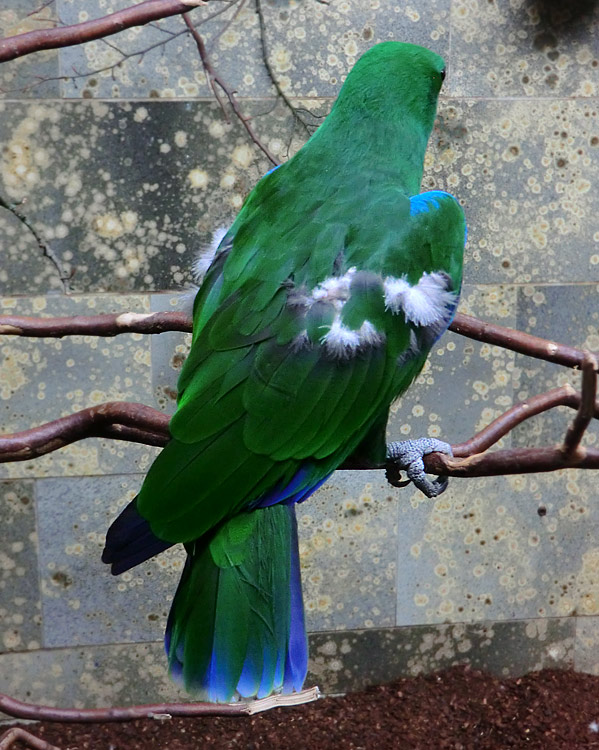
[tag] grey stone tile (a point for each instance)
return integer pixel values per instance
(82, 602)
(20, 620)
(124, 193)
(585, 645)
(311, 47)
(348, 661)
(90, 677)
(43, 379)
(507, 48)
(127, 674)
(482, 552)
(347, 536)
(33, 76)
(524, 170)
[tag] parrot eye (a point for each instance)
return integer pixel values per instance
(442, 74)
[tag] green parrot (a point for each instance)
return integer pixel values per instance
(318, 309)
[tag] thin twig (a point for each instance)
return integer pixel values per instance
(228, 23)
(586, 409)
(270, 70)
(42, 244)
(39, 10)
(214, 77)
(65, 36)
(18, 734)
(206, 64)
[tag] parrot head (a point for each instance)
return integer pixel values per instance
(395, 79)
(382, 119)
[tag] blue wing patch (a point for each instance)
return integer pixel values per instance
(423, 203)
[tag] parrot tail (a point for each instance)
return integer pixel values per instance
(236, 625)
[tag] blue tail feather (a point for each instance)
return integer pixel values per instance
(296, 662)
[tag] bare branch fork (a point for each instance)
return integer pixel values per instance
(143, 424)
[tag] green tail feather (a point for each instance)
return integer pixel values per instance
(236, 625)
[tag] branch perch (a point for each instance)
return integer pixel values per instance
(94, 325)
(66, 36)
(117, 419)
(21, 710)
(142, 424)
(517, 341)
(112, 325)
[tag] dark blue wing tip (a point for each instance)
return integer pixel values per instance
(130, 541)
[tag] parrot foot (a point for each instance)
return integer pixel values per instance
(407, 455)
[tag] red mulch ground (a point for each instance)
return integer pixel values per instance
(458, 708)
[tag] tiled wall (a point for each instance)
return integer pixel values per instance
(126, 171)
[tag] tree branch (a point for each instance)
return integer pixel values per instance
(488, 436)
(94, 325)
(143, 424)
(21, 710)
(511, 461)
(587, 407)
(112, 325)
(65, 36)
(517, 341)
(117, 419)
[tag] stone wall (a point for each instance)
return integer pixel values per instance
(126, 171)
